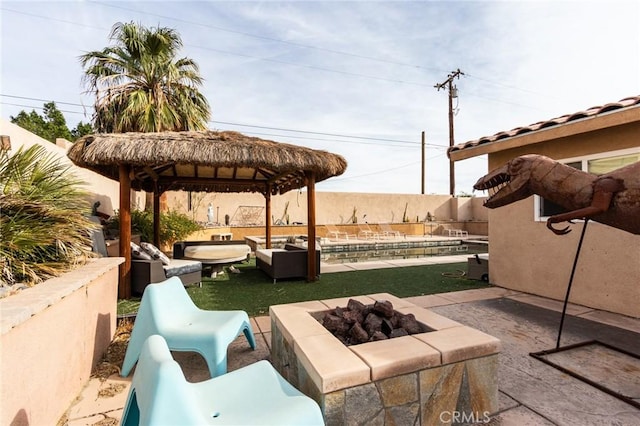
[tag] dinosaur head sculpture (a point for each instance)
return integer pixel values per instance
(509, 183)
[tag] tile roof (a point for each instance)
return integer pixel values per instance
(591, 112)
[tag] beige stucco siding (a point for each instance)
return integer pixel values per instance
(526, 256)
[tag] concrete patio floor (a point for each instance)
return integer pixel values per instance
(530, 391)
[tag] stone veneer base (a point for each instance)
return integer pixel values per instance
(446, 376)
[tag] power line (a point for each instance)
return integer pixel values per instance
(41, 100)
(335, 179)
(42, 108)
(352, 74)
(49, 18)
(261, 37)
(314, 67)
(296, 137)
(375, 173)
(322, 133)
(290, 43)
(366, 138)
(506, 86)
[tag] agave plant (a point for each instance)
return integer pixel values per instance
(44, 225)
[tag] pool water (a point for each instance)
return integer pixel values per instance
(401, 253)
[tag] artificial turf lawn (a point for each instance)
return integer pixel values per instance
(253, 291)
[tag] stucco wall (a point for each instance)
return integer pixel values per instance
(99, 188)
(53, 334)
(525, 256)
(331, 207)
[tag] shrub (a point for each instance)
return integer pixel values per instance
(44, 224)
(174, 226)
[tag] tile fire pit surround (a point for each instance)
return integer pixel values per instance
(445, 376)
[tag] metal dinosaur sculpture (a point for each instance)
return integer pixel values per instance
(612, 199)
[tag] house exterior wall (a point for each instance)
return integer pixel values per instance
(526, 256)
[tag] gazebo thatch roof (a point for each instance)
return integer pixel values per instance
(204, 161)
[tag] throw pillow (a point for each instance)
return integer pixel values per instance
(155, 253)
(138, 253)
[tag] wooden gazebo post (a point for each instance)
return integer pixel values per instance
(124, 283)
(156, 215)
(312, 267)
(267, 209)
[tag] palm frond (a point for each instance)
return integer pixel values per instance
(43, 226)
(141, 85)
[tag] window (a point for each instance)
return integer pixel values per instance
(600, 164)
(605, 165)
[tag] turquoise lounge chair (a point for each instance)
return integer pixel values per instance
(166, 309)
(253, 395)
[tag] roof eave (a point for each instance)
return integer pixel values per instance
(583, 125)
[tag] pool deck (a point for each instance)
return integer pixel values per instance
(531, 392)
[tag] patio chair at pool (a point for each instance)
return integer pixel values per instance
(253, 395)
(366, 232)
(333, 232)
(166, 309)
(388, 231)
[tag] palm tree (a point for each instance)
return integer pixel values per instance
(44, 226)
(141, 86)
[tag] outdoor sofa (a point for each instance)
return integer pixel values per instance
(287, 262)
(145, 272)
(151, 270)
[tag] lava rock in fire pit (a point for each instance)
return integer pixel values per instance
(379, 335)
(373, 323)
(384, 308)
(358, 335)
(360, 323)
(410, 323)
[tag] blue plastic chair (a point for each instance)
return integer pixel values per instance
(166, 309)
(253, 395)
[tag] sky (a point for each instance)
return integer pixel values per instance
(355, 78)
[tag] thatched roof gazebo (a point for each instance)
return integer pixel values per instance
(203, 161)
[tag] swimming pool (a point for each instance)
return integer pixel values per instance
(352, 254)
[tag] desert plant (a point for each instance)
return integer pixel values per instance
(141, 223)
(44, 224)
(174, 226)
(354, 217)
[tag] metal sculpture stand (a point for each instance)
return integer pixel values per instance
(573, 273)
(540, 355)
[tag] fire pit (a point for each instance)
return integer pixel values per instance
(359, 323)
(447, 371)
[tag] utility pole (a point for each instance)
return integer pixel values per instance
(453, 93)
(423, 165)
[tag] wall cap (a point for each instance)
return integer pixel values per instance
(21, 306)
